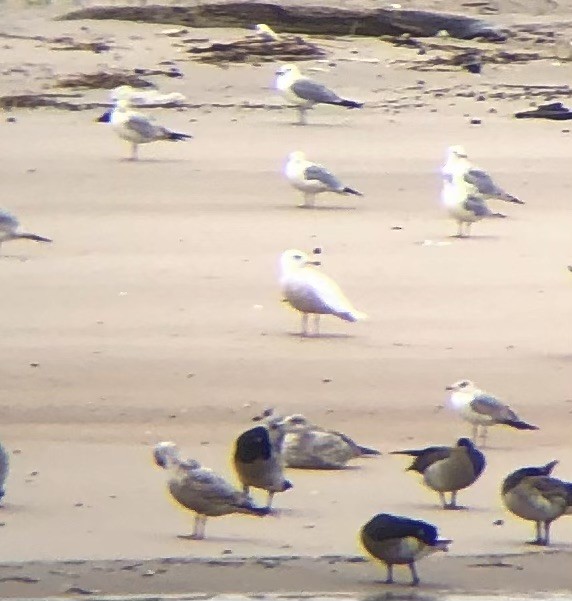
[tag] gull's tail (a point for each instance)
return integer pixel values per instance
(347, 190)
(350, 104)
(34, 237)
(410, 452)
(368, 451)
(510, 198)
(519, 425)
(351, 315)
(254, 510)
(176, 137)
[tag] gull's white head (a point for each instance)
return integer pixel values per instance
(296, 156)
(120, 92)
(288, 70)
(462, 386)
(123, 104)
(166, 454)
(265, 31)
(456, 152)
(295, 259)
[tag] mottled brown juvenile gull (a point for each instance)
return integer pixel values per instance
(201, 490)
(307, 446)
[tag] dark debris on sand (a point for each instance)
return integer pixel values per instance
(106, 80)
(292, 48)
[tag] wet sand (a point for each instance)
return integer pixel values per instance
(156, 315)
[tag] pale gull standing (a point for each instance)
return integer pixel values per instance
(466, 189)
(137, 128)
(4, 469)
(307, 446)
(201, 490)
(399, 540)
(479, 181)
(305, 93)
(310, 291)
(312, 178)
(482, 409)
(10, 230)
(463, 205)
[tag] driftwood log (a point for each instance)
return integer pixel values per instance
(309, 19)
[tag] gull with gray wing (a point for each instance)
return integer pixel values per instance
(464, 205)
(10, 230)
(479, 180)
(304, 93)
(312, 179)
(482, 409)
(399, 540)
(137, 128)
(201, 490)
(447, 469)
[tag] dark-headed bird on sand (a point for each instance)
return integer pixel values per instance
(397, 540)
(201, 490)
(532, 494)
(258, 460)
(305, 93)
(447, 469)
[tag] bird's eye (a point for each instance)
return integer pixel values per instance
(463, 384)
(298, 257)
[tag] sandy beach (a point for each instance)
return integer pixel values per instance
(156, 315)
